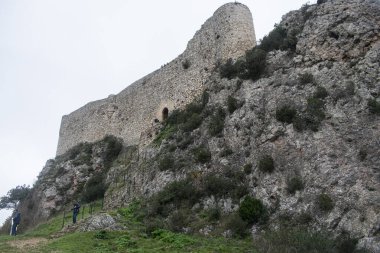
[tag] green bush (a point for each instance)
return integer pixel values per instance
(152, 224)
(373, 106)
(186, 64)
(350, 88)
(179, 219)
(266, 164)
(362, 154)
(321, 1)
(320, 92)
(95, 188)
(232, 104)
(84, 149)
(252, 210)
(275, 40)
(102, 235)
(294, 184)
(166, 163)
(304, 218)
(346, 244)
(237, 226)
(205, 98)
(255, 63)
(325, 203)
(202, 154)
(217, 185)
(216, 124)
(213, 214)
(286, 113)
(295, 239)
(185, 141)
(239, 82)
(306, 78)
(175, 195)
(228, 70)
(192, 123)
(247, 168)
(113, 146)
(312, 117)
(226, 152)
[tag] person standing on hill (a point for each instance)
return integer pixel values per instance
(15, 222)
(75, 210)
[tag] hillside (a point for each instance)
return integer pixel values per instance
(282, 147)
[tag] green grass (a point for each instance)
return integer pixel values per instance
(134, 239)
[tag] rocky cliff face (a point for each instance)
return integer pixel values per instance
(303, 138)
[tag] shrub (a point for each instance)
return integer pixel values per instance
(226, 152)
(294, 184)
(321, 1)
(306, 78)
(314, 113)
(216, 123)
(252, 210)
(113, 146)
(346, 244)
(179, 220)
(325, 203)
(174, 195)
(304, 218)
(202, 154)
(362, 154)
(102, 235)
(239, 82)
(350, 88)
(216, 185)
(232, 104)
(186, 64)
(247, 168)
(295, 239)
(374, 106)
(266, 164)
(185, 141)
(286, 113)
(205, 98)
(256, 63)
(152, 224)
(228, 70)
(312, 117)
(192, 123)
(275, 40)
(237, 226)
(213, 214)
(166, 133)
(321, 92)
(166, 163)
(94, 188)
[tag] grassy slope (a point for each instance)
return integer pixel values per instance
(131, 240)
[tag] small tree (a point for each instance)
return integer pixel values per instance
(14, 196)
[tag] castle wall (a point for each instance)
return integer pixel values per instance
(227, 34)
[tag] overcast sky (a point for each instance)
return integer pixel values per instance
(57, 55)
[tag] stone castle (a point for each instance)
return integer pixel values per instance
(227, 34)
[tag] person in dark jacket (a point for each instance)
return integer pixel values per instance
(15, 222)
(75, 210)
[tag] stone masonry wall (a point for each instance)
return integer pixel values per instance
(227, 34)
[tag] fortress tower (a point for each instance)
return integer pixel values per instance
(227, 34)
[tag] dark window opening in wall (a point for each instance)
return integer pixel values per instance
(165, 114)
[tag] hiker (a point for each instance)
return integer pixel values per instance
(15, 222)
(75, 210)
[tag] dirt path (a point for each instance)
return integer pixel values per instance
(26, 244)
